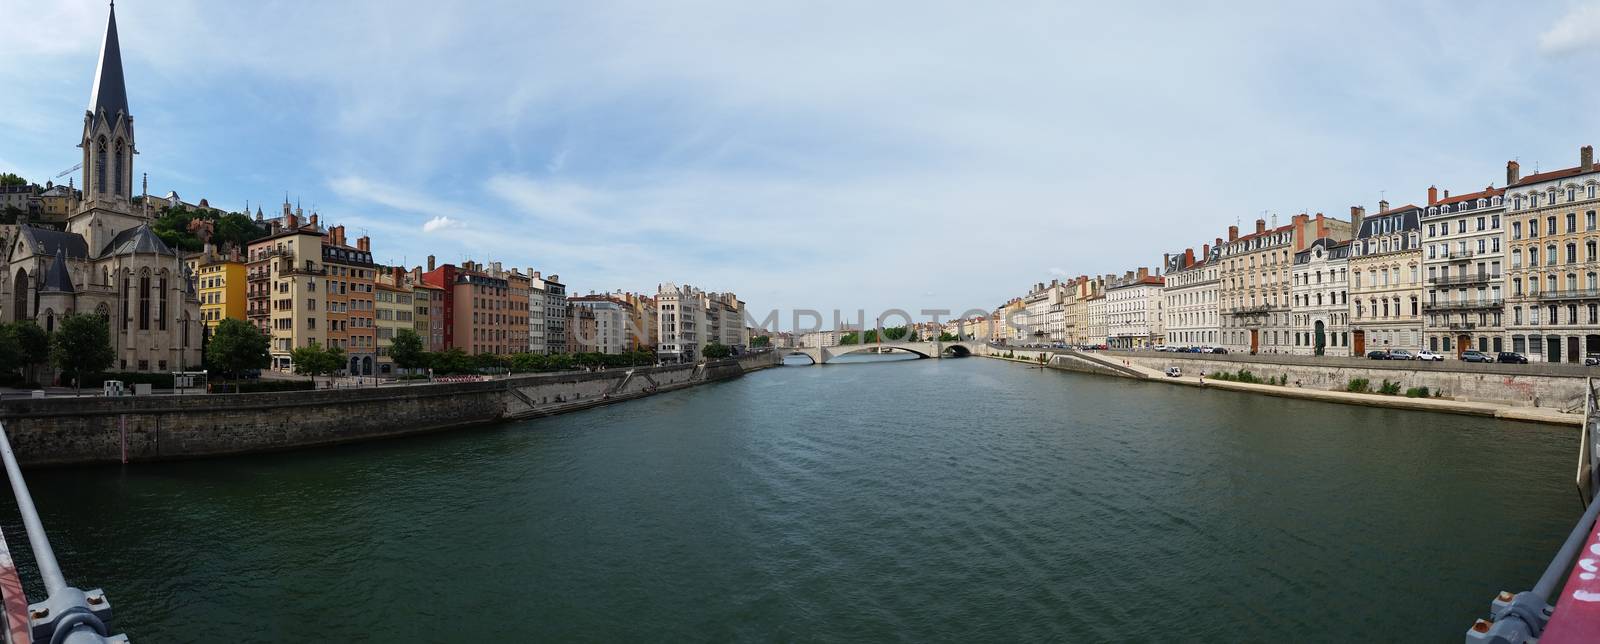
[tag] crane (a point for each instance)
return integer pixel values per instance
(70, 170)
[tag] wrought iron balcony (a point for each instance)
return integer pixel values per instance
(1456, 255)
(1461, 326)
(1475, 278)
(1574, 294)
(1464, 305)
(1262, 309)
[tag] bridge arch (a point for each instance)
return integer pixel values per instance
(789, 353)
(844, 350)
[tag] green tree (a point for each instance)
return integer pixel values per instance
(761, 341)
(451, 361)
(850, 338)
(716, 351)
(33, 347)
(10, 179)
(895, 333)
(407, 351)
(82, 346)
(947, 337)
(237, 346)
(314, 360)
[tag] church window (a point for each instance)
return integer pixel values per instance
(100, 166)
(118, 179)
(144, 302)
(161, 303)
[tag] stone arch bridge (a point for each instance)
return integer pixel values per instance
(932, 349)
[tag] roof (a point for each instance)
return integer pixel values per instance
(48, 242)
(110, 92)
(138, 240)
(1270, 231)
(1554, 174)
(56, 278)
(1481, 194)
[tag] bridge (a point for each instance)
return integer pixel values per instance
(930, 349)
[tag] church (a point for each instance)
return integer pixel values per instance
(107, 261)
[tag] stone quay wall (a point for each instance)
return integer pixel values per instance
(1536, 385)
(68, 431)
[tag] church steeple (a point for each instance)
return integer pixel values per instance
(110, 92)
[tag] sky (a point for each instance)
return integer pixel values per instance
(821, 155)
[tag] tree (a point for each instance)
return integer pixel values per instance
(761, 341)
(716, 351)
(946, 337)
(314, 360)
(895, 333)
(451, 361)
(82, 346)
(10, 179)
(407, 351)
(33, 345)
(237, 346)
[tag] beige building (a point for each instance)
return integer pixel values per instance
(1464, 260)
(1256, 279)
(1553, 312)
(1190, 297)
(284, 272)
(1134, 318)
(1321, 294)
(1386, 286)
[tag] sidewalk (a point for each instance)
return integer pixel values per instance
(1532, 414)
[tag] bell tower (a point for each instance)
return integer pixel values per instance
(108, 150)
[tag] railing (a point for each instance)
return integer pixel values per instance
(67, 614)
(1455, 255)
(1461, 326)
(1528, 615)
(1573, 294)
(1479, 278)
(1483, 303)
(1253, 310)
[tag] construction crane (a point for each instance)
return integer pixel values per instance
(70, 170)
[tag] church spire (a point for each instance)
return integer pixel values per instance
(110, 93)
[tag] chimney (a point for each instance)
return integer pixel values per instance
(1299, 223)
(1586, 158)
(537, 275)
(1233, 233)
(291, 221)
(1383, 206)
(313, 220)
(1143, 272)
(1166, 259)
(1433, 195)
(1188, 257)
(399, 275)
(365, 244)
(1357, 213)
(1322, 226)
(430, 263)
(1205, 251)
(1513, 173)
(1261, 226)
(1447, 194)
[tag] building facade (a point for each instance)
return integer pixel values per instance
(1321, 299)
(1553, 307)
(1386, 287)
(1190, 297)
(1134, 311)
(1463, 238)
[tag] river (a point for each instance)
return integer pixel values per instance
(880, 499)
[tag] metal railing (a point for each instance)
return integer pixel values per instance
(1522, 617)
(1478, 278)
(1450, 305)
(67, 614)
(1570, 294)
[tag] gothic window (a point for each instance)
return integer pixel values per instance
(100, 166)
(118, 181)
(161, 302)
(144, 301)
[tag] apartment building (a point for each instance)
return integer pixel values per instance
(608, 331)
(550, 291)
(283, 275)
(1134, 317)
(1386, 287)
(396, 309)
(1463, 239)
(220, 282)
(350, 306)
(1190, 296)
(1321, 299)
(680, 314)
(1554, 301)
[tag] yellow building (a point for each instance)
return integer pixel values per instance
(221, 282)
(395, 310)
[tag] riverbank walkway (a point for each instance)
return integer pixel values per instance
(1492, 410)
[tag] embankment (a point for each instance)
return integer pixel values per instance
(63, 431)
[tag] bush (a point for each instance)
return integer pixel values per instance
(1389, 388)
(1417, 392)
(1358, 385)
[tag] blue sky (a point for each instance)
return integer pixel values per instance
(820, 155)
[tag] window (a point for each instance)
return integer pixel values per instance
(1516, 230)
(1572, 253)
(100, 166)
(1550, 224)
(144, 302)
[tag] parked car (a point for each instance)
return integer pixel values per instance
(1401, 354)
(1511, 357)
(1476, 356)
(1174, 372)
(1592, 360)
(1218, 350)
(1429, 356)
(1378, 355)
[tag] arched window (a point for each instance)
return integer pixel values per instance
(100, 166)
(144, 301)
(161, 301)
(118, 181)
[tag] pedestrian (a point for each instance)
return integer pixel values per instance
(1202, 378)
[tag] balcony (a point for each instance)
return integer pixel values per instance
(1262, 309)
(1461, 326)
(1574, 294)
(1465, 305)
(1479, 278)
(1456, 255)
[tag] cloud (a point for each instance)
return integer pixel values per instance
(1576, 31)
(440, 223)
